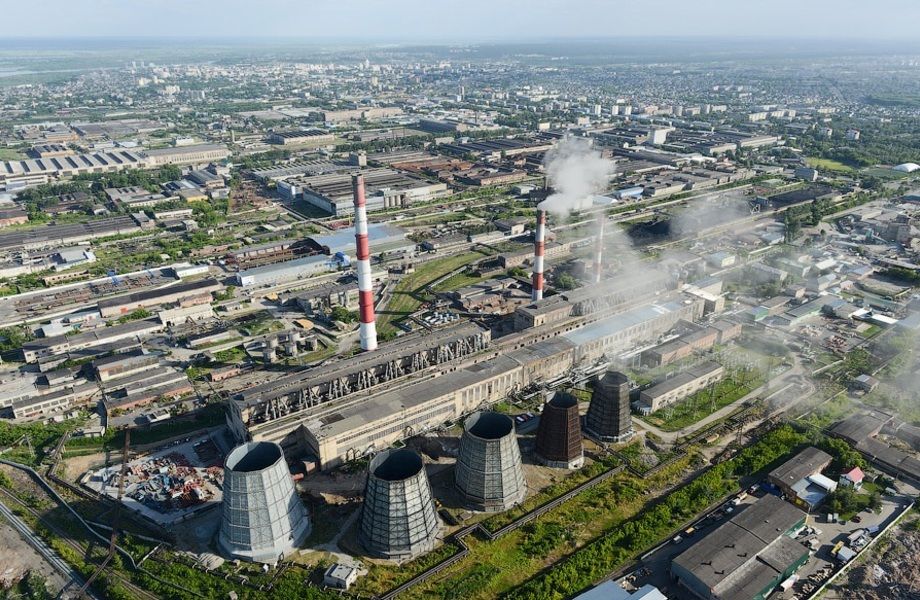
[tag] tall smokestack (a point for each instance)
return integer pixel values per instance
(539, 247)
(368, 330)
(599, 248)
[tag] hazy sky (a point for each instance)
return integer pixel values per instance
(458, 20)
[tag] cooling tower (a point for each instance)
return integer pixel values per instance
(263, 518)
(559, 433)
(398, 518)
(608, 418)
(489, 473)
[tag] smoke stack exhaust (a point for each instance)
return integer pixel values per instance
(368, 327)
(599, 248)
(539, 248)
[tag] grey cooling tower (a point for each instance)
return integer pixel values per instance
(559, 433)
(263, 518)
(489, 473)
(398, 519)
(608, 418)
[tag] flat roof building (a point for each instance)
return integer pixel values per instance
(315, 137)
(386, 188)
(680, 386)
(747, 557)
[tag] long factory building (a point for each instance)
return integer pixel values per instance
(336, 415)
(386, 188)
(17, 174)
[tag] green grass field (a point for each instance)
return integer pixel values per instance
(827, 164)
(495, 567)
(10, 154)
(702, 404)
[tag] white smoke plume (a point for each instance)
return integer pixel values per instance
(575, 171)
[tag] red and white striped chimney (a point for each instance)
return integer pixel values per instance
(368, 328)
(539, 248)
(599, 248)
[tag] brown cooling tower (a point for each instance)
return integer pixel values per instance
(559, 434)
(608, 418)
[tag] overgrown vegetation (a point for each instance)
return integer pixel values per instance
(614, 548)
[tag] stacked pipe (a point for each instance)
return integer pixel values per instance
(599, 248)
(368, 327)
(539, 248)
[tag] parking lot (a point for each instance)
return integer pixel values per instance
(654, 568)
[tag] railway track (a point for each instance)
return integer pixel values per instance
(136, 592)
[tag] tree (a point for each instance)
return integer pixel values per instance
(566, 282)
(845, 457)
(843, 500)
(340, 313)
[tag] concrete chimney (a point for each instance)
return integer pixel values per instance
(599, 248)
(539, 248)
(368, 328)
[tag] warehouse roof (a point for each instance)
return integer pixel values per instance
(860, 427)
(378, 235)
(97, 335)
(681, 379)
(807, 462)
(619, 322)
(190, 287)
(743, 555)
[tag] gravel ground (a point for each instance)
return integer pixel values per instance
(18, 558)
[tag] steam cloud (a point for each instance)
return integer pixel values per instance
(575, 171)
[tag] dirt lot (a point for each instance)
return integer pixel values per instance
(890, 569)
(18, 558)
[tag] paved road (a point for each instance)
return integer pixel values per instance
(75, 580)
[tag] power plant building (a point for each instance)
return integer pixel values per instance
(263, 518)
(609, 418)
(489, 473)
(398, 518)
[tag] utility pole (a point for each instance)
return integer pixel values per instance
(113, 538)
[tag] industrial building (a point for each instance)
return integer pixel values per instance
(559, 443)
(17, 174)
(398, 519)
(313, 137)
(188, 155)
(292, 409)
(489, 473)
(291, 270)
(800, 479)
(52, 236)
(263, 518)
(60, 345)
(746, 557)
(611, 590)
(609, 418)
(184, 294)
(491, 150)
(386, 188)
(680, 386)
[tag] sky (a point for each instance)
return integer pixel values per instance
(462, 20)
